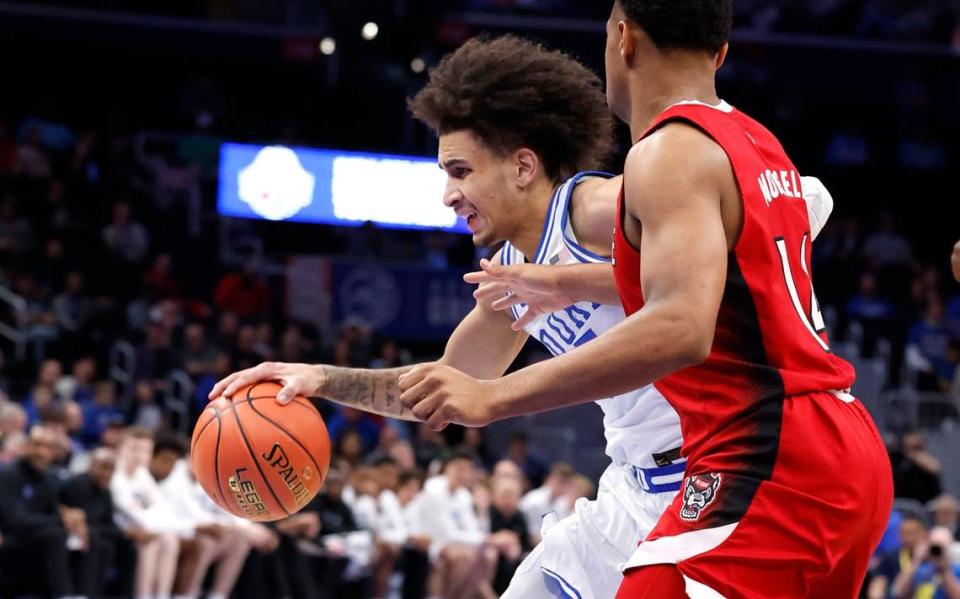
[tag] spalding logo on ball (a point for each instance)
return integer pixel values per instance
(258, 459)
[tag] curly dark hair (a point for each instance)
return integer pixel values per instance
(513, 93)
(683, 24)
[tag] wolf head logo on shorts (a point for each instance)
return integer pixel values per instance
(698, 492)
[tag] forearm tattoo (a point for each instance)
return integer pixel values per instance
(376, 391)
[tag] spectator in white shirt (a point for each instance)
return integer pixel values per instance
(145, 516)
(463, 564)
(551, 497)
(214, 542)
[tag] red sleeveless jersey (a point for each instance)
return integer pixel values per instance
(770, 339)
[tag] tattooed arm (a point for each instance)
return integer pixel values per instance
(483, 346)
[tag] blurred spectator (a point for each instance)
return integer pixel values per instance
(40, 399)
(447, 514)
(16, 234)
(125, 238)
(246, 353)
(928, 342)
(351, 420)
(931, 572)
(198, 357)
(99, 412)
(552, 497)
(474, 440)
(72, 306)
(31, 159)
(507, 521)
(871, 311)
(13, 419)
(243, 293)
(887, 247)
(35, 528)
(90, 492)
(391, 356)
(146, 516)
(399, 536)
(916, 473)
(213, 545)
(946, 513)
(40, 319)
(518, 451)
(78, 385)
(159, 280)
(913, 539)
(147, 413)
(156, 357)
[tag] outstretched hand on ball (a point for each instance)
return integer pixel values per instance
(297, 379)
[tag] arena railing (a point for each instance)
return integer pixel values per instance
(14, 331)
(177, 398)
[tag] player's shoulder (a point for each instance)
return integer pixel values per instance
(593, 209)
(676, 142)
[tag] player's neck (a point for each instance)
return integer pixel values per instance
(532, 218)
(656, 89)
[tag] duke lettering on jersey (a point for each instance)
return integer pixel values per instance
(638, 424)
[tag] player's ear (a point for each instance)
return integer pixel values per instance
(527, 165)
(628, 41)
(722, 55)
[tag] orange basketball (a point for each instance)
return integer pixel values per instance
(258, 459)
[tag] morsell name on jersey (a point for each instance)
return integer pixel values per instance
(774, 184)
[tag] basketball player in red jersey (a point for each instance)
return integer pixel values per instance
(788, 487)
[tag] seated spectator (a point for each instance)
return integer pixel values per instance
(156, 357)
(145, 515)
(243, 293)
(198, 357)
(214, 545)
(72, 306)
(159, 279)
(78, 385)
(551, 497)
(31, 159)
(913, 539)
(509, 530)
(351, 420)
(246, 353)
(916, 473)
(518, 451)
(872, 311)
(946, 513)
(399, 538)
(931, 572)
(125, 239)
(147, 411)
(99, 412)
(928, 342)
(90, 492)
(35, 528)
(13, 420)
(37, 402)
(448, 516)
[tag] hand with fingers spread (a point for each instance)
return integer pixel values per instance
(536, 286)
(297, 379)
(440, 395)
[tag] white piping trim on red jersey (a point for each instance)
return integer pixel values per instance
(698, 590)
(676, 548)
(723, 106)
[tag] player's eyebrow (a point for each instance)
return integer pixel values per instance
(452, 162)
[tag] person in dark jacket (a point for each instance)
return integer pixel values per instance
(90, 492)
(36, 529)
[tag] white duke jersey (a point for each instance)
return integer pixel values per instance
(641, 428)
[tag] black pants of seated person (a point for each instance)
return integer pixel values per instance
(90, 568)
(416, 569)
(36, 565)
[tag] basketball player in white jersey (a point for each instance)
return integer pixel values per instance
(516, 123)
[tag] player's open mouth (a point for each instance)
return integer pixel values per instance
(471, 219)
